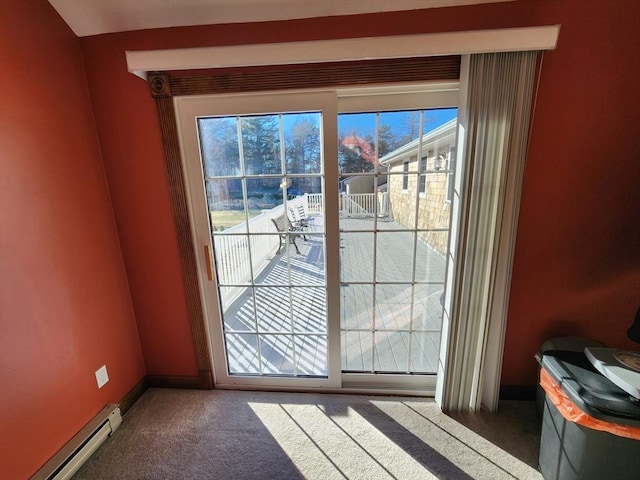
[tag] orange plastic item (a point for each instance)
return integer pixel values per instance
(571, 412)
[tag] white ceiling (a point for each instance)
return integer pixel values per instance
(94, 17)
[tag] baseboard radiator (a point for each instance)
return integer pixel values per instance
(78, 450)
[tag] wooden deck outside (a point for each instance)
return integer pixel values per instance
(381, 331)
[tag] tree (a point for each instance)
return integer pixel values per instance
(261, 145)
(356, 154)
(409, 127)
(387, 140)
(303, 147)
(219, 145)
(303, 155)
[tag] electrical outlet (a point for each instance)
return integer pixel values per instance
(102, 376)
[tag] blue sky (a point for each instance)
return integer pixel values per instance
(364, 123)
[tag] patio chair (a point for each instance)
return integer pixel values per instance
(297, 221)
(279, 223)
(300, 216)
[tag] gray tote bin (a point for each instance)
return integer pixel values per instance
(570, 451)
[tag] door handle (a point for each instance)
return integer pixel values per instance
(207, 256)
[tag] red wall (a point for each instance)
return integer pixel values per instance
(65, 307)
(577, 264)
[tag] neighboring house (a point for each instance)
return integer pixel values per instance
(429, 180)
(358, 184)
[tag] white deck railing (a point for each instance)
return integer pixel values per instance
(364, 204)
(355, 204)
(314, 203)
(232, 249)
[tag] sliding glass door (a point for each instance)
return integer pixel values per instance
(395, 170)
(321, 237)
(257, 187)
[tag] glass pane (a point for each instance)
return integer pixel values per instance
(238, 309)
(393, 307)
(288, 266)
(277, 354)
(263, 248)
(308, 267)
(302, 142)
(232, 259)
(434, 210)
(428, 307)
(356, 142)
(297, 187)
(356, 256)
(397, 129)
(315, 204)
(219, 146)
(311, 354)
(309, 307)
(242, 353)
(226, 205)
(394, 256)
(261, 145)
(264, 193)
(358, 199)
(354, 223)
(357, 350)
(403, 201)
(430, 263)
(356, 311)
(392, 351)
(424, 352)
(273, 309)
(437, 117)
(304, 203)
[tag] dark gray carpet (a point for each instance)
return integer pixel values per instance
(191, 434)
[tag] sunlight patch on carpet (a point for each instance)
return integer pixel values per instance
(472, 453)
(326, 446)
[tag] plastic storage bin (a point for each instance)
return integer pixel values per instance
(590, 427)
(563, 344)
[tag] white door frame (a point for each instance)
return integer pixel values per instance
(345, 100)
(188, 109)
